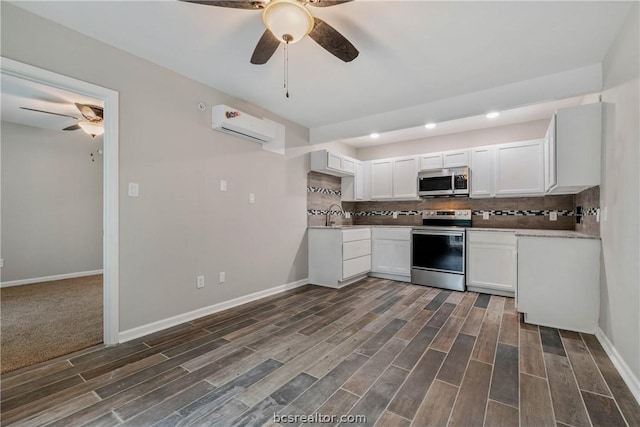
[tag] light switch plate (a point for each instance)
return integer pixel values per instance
(553, 216)
(252, 198)
(485, 215)
(598, 215)
(134, 189)
(222, 276)
(223, 185)
(395, 215)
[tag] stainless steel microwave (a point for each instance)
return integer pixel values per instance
(444, 182)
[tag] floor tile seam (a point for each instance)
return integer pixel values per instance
(493, 365)
(575, 379)
(409, 374)
(597, 367)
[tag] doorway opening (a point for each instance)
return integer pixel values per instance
(62, 188)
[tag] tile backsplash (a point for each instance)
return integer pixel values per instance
(589, 200)
(323, 191)
(515, 212)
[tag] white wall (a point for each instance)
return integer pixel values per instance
(182, 226)
(474, 138)
(52, 202)
(620, 281)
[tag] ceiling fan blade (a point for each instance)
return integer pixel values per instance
(239, 4)
(72, 127)
(90, 112)
(326, 3)
(330, 39)
(265, 48)
(48, 112)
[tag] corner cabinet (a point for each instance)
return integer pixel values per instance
(338, 257)
(353, 187)
(394, 178)
(492, 263)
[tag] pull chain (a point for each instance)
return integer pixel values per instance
(286, 69)
(287, 38)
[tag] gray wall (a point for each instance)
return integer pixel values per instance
(52, 202)
(474, 138)
(182, 226)
(620, 284)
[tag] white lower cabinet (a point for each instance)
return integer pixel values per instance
(338, 257)
(492, 263)
(559, 282)
(391, 253)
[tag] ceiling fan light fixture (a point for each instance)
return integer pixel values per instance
(92, 128)
(288, 20)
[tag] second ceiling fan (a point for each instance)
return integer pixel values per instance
(289, 21)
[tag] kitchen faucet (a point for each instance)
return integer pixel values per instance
(328, 221)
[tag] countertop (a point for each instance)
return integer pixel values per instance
(520, 232)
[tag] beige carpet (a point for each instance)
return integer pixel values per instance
(46, 320)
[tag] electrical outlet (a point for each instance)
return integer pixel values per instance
(598, 215)
(222, 277)
(485, 215)
(605, 213)
(395, 215)
(1, 262)
(223, 185)
(200, 282)
(553, 216)
(347, 215)
(252, 198)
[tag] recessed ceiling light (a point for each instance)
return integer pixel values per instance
(493, 115)
(375, 135)
(430, 125)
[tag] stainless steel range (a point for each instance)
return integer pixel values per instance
(438, 249)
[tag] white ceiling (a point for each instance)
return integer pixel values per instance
(17, 92)
(507, 117)
(412, 53)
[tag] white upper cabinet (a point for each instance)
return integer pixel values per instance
(431, 161)
(394, 178)
(549, 152)
(481, 172)
(353, 186)
(448, 159)
(574, 144)
(455, 159)
(332, 163)
(518, 169)
(382, 179)
(405, 177)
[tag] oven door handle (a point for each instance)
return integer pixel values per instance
(438, 233)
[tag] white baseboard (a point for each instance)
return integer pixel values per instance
(623, 369)
(49, 278)
(159, 325)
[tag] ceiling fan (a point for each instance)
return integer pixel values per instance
(289, 21)
(92, 115)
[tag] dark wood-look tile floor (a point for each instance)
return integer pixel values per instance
(399, 354)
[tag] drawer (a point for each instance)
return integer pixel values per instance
(492, 237)
(356, 266)
(391, 234)
(356, 249)
(356, 234)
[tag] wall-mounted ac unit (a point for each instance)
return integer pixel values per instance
(234, 122)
